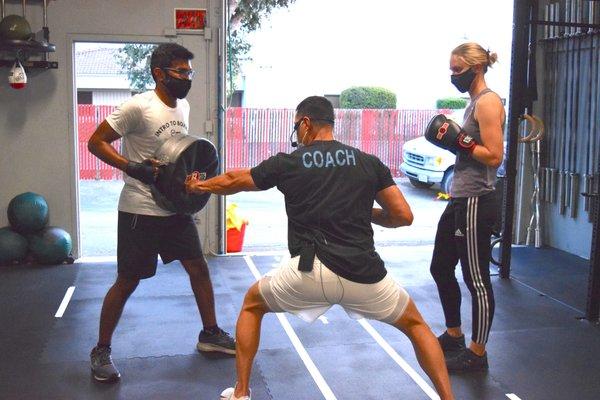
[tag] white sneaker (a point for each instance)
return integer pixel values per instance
(227, 394)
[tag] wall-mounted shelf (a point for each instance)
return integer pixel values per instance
(30, 46)
(22, 49)
(31, 64)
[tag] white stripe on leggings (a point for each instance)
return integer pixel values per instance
(478, 270)
(469, 224)
(469, 252)
(486, 331)
(474, 268)
(477, 274)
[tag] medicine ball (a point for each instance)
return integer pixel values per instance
(51, 246)
(13, 247)
(15, 27)
(28, 212)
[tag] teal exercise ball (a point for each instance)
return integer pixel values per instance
(51, 246)
(28, 213)
(13, 247)
(15, 27)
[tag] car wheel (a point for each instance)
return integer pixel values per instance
(447, 180)
(419, 184)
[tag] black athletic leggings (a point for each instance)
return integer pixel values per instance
(464, 234)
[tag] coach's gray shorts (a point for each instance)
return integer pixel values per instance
(310, 294)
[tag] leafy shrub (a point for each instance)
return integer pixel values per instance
(367, 97)
(452, 103)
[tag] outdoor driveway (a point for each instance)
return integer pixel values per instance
(267, 229)
(265, 211)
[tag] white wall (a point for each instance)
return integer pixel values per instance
(37, 139)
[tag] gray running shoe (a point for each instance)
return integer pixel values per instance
(220, 341)
(103, 368)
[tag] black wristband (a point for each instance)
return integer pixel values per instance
(143, 171)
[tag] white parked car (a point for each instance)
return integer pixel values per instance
(426, 164)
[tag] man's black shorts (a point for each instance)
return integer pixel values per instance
(143, 237)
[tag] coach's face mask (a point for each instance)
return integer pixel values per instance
(464, 80)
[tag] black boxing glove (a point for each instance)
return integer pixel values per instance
(143, 171)
(448, 135)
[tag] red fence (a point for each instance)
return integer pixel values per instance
(90, 167)
(256, 134)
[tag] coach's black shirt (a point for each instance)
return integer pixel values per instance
(329, 190)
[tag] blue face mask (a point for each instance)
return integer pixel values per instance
(463, 81)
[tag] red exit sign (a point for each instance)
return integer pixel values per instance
(190, 19)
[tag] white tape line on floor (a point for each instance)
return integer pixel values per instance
(65, 302)
(308, 362)
(399, 360)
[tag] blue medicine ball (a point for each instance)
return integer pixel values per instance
(28, 212)
(13, 247)
(50, 246)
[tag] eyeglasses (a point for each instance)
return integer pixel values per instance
(185, 73)
(297, 124)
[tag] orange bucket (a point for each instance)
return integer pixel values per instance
(235, 239)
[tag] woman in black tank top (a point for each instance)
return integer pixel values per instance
(465, 227)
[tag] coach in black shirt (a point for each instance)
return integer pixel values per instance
(329, 190)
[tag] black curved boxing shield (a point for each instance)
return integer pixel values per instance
(181, 156)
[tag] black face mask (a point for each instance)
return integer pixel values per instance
(464, 80)
(178, 88)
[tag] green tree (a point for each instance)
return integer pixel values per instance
(134, 59)
(237, 50)
(367, 97)
(249, 14)
(245, 16)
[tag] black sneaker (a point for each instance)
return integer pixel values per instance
(219, 341)
(466, 361)
(451, 345)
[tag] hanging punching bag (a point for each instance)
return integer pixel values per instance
(17, 77)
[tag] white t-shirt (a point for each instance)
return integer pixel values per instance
(145, 122)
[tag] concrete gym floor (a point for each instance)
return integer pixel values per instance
(538, 349)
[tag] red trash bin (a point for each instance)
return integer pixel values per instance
(235, 239)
